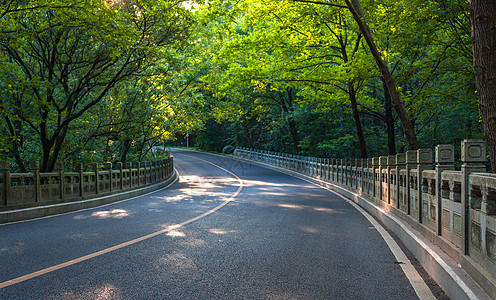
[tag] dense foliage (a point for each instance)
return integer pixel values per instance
(304, 80)
(112, 80)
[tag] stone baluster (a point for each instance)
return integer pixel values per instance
(363, 174)
(369, 176)
(473, 158)
(411, 163)
(375, 179)
(34, 168)
(382, 166)
(400, 165)
(445, 156)
(59, 167)
(121, 175)
(97, 178)
(424, 159)
(108, 168)
(391, 165)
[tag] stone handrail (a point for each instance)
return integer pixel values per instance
(25, 190)
(454, 209)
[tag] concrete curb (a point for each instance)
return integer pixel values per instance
(61, 208)
(455, 282)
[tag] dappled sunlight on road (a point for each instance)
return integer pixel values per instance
(106, 214)
(308, 207)
(196, 186)
(114, 213)
(192, 242)
(177, 262)
(220, 231)
(271, 185)
(175, 233)
(307, 229)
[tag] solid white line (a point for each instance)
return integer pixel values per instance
(131, 242)
(470, 294)
(418, 284)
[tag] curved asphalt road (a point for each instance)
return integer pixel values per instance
(279, 238)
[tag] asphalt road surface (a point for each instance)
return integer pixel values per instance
(225, 230)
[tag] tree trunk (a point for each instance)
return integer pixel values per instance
(358, 123)
(357, 12)
(483, 18)
(389, 120)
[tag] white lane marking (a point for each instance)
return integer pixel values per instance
(176, 173)
(470, 294)
(131, 242)
(418, 284)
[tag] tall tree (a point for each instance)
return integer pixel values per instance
(60, 61)
(483, 18)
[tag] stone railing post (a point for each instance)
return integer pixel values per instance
(382, 166)
(356, 167)
(121, 175)
(400, 165)
(79, 169)
(391, 165)
(411, 163)
(108, 168)
(34, 167)
(375, 180)
(351, 164)
(5, 169)
(325, 169)
(59, 167)
(363, 173)
(321, 167)
(346, 164)
(348, 171)
(369, 176)
(424, 159)
(473, 158)
(137, 165)
(329, 169)
(130, 177)
(445, 157)
(97, 178)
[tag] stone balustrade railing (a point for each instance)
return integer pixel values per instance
(454, 209)
(23, 190)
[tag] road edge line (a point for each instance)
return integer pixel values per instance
(453, 280)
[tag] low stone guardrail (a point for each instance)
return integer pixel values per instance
(33, 189)
(456, 210)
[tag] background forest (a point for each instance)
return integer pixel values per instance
(111, 80)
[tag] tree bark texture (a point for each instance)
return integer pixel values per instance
(483, 19)
(357, 12)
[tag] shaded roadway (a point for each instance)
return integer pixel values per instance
(280, 238)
